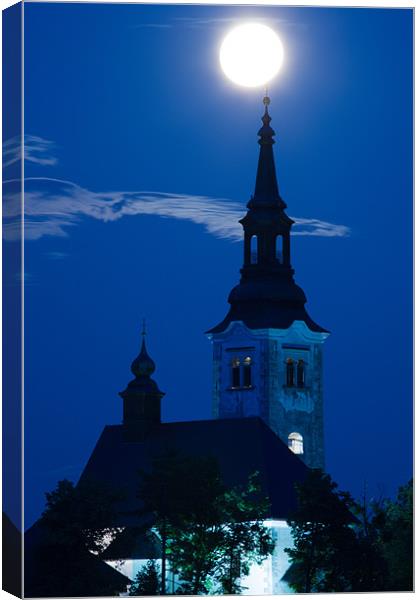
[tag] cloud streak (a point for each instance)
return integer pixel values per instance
(35, 149)
(209, 22)
(53, 206)
(199, 22)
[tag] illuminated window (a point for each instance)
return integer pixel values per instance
(300, 373)
(254, 250)
(290, 372)
(247, 371)
(236, 372)
(296, 443)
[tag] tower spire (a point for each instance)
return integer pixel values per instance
(142, 396)
(266, 192)
(267, 295)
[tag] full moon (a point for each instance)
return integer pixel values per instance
(251, 54)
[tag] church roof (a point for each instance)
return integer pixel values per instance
(134, 543)
(265, 312)
(241, 447)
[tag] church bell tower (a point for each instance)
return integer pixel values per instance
(267, 352)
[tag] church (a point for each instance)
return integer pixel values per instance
(267, 394)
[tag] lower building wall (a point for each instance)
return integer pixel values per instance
(267, 577)
(128, 567)
(264, 579)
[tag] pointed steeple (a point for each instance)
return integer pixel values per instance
(142, 396)
(266, 188)
(267, 295)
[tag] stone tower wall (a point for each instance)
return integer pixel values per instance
(285, 409)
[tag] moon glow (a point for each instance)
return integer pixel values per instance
(251, 54)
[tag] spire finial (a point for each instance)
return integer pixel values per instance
(266, 102)
(143, 331)
(266, 99)
(266, 133)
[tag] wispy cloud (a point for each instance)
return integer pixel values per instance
(53, 206)
(318, 228)
(56, 255)
(18, 278)
(199, 22)
(210, 22)
(36, 150)
(153, 25)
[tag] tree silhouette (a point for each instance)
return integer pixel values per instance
(210, 534)
(393, 522)
(147, 581)
(323, 538)
(60, 549)
(335, 551)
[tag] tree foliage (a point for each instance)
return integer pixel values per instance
(147, 581)
(210, 534)
(79, 516)
(341, 545)
(393, 525)
(58, 552)
(323, 538)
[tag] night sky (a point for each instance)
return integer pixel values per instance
(141, 156)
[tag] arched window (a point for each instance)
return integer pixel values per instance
(295, 441)
(236, 372)
(290, 372)
(279, 248)
(254, 250)
(300, 373)
(247, 372)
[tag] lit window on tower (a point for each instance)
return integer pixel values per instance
(290, 372)
(254, 250)
(247, 372)
(301, 373)
(236, 373)
(295, 441)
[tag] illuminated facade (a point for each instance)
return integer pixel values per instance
(267, 352)
(264, 579)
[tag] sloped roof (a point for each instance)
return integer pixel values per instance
(134, 543)
(53, 571)
(241, 447)
(262, 313)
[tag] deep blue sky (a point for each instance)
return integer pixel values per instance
(131, 98)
